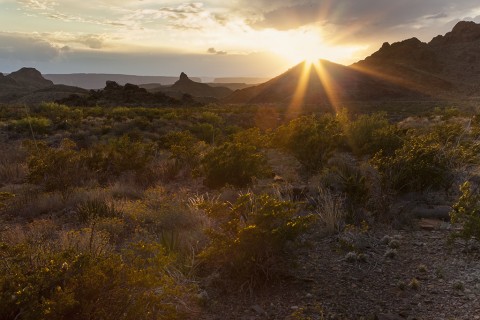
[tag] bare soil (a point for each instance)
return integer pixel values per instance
(395, 274)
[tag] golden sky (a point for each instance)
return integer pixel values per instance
(212, 37)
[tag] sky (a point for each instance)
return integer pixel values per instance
(211, 38)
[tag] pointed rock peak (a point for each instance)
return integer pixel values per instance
(183, 76)
(465, 26)
(385, 45)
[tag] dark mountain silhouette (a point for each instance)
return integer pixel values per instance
(200, 92)
(28, 85)
(323, 84)
(98, 80)
(196, 89)
(114, 95)
(30, 78)
(447, 66)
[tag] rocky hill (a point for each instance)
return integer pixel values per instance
(330, 81)
(446, 67)
(97, 80)
(115, 95)
(28, 85)
(199, 91)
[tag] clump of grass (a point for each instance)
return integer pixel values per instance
(401, 285)
(459, 286)
(330, 209)
(422, 268)
(414, 284)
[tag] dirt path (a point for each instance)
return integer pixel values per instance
(421, 277)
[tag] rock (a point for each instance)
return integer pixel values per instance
(259, 310)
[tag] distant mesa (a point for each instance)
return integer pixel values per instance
(30, 78)
(27, 85)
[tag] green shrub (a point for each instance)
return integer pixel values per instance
(57, 169)
(369, 134)
(250, 238)
(421, 163)
(121, 155)
(466, 211)
(252, 137)
(139, 283)
(311, 139)
(39, 125)
(234, 163)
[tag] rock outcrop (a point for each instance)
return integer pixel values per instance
(446, 67)
(187, 86)
(116, 95)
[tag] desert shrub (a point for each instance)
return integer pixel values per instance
(166, 219)
(121, 155)
(138, 283)
(249, 238)
(234, 163)
(96, 208)
(205, 132)
(12, 164)
(252, 137)
(61, 116)
(311, 139)
(421, 163)
(369, 134)
(466, 211)
(186, 150)
(57, 169)
(39, 125)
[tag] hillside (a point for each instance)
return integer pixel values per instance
(28, 85)
(334, 82)
(447, 66)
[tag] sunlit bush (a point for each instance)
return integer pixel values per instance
(311, 139)
(234, 163)
(368, 134)
(421, 163)
(139, 283)
(466, 211)
(249, 238)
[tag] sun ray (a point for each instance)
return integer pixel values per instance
(300, 91)
(328, 84)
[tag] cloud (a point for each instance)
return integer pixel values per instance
(91, 40)
(21, 47)
(362, 19)
(214, 51)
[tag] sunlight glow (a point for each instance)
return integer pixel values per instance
(326, 84)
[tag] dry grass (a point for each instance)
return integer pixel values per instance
(330, 209)
(12, 165)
